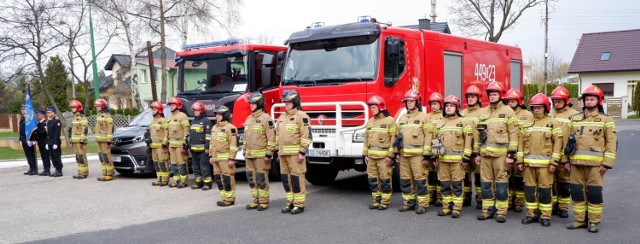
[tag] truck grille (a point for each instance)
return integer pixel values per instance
(323, 131)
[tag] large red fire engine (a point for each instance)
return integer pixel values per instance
(337, 68)
(225, 73)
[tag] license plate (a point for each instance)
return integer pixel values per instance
(325, 153)
(117, 159)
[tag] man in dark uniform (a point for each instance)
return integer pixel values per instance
(53, 141)
(42, 141)
(27, 144)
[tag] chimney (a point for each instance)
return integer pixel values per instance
(424, 24)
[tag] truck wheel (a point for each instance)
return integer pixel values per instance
(321, 174)
(395, 178)
(125, 172)
(274, 172)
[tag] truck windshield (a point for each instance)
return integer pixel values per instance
(332, 61)
(225, 74)
(144, 119)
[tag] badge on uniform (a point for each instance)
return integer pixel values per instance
(523, 118)
(270, 124)
(291, 118)
(459, 125)
(305, 121)
(550, 125)
(416, 121)
(383, 126)
(222, 130)
(597, 120)
(257, 121)
(233, 131)
(502, 116)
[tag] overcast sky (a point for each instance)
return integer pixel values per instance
(569, 19)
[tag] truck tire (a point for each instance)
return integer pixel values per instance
(274, 172)
(321, 174)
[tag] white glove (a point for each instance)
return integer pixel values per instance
(46, 146)
(55, 146)
(30, 143)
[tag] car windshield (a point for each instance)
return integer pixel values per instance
(332, 61)
(219, 74)
(144, 119)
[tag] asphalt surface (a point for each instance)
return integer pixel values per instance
(130, 210)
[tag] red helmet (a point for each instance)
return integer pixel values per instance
(377, 100)
(473, 90)
(514, 94)
(436, 97)
(560, 93)
(412, 94)
(158, 106)
(101, 103)
(593, 91)
(76, 104)
(176, 101)
(540, 100)
(198, 106)
(495, 86)
(452, 99)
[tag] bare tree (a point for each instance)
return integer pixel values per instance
(262, 38)
(28, 35)
(558, 68)
(177, 14)
(119, 10)
(74, 28)
(489, 18)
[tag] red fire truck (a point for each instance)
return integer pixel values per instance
(225, 73)
(336, 69)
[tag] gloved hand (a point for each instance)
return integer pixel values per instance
(55, 146)
(30, 143)
(46, 146)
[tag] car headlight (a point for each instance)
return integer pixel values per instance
(240, 139)
(358, 137)
(138, 139)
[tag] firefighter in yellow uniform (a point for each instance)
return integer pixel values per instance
(513, 98)
(562, 111)
(176, 128)
(433, 184)
(539, 147)
(595, 153)
(222, 150)
(104, 135)
(293, 140)
(498, 137)
(471, 113)
(259, 144)
(79, 130)
(378, 152)
(159, 145)
(456, 135)
(413, 145)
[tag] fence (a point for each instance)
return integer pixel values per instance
(118, 120)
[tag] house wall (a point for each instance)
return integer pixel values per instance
(144, 85)
(621, 86)
(120, 74)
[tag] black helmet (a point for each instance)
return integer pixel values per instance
(292, 96)
(258, 99)
(226, 113)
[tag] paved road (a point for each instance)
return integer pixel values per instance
(129, 210)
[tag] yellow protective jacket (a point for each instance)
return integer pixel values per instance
(259, 135)
(157, 132)
(456, 135)
(472, 114)
(379, 136)
(416, 133)
(540, 143)
(79, 128)
(104, 127)
(562, 116)
(293, 133)
(501, 128)
(176, 128)
(596, 139)
(224, 141)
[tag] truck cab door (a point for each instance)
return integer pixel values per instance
(271, 83)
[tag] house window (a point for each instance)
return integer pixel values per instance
(605, 56)
(143, 76)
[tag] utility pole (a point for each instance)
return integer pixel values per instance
(433, 14)
(546, 43)
(152, 72)
(96, 82)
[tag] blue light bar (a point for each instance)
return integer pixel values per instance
(364, 19)
(212, 44)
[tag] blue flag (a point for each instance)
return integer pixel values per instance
(30, 123)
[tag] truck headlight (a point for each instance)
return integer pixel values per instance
(358, 137)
